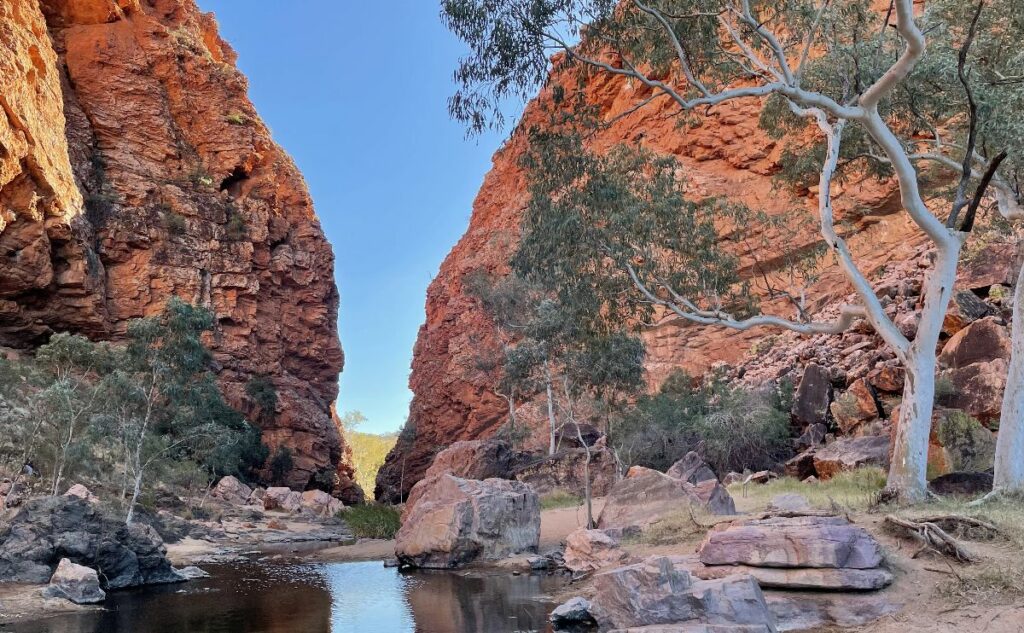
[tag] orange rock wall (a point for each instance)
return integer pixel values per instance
(134, 168)
(726, 155)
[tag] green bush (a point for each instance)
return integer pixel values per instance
(560, 499)
(373, 520)
(174, 223)
(971, 447)
(281, 464)
(236, 228)
(261, 389)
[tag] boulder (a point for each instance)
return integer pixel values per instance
(733, 478)
(888, 379)
(49, 529)
(964, 308)
(590, 550)
(810, 403)
(573, 613)
(813, 436)
(76, 583)
(978, 389)
(760, 477)
(455, 521)
(646, 497)
(789, 502)
(805, 578)
(256, 498)
(962, 484)
(80, 491)
(980, 342)
(801, 466)
(475, 459)
(321, 504)
(815, 542)
(656, 592)
(565, 470)
(849, 453)
(281, 498)
(855, 407)
(713, 495)
(691, 469)
(231, 491)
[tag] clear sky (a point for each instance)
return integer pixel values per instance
(357, 93)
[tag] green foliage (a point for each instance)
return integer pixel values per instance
(261, 389)
(372, 520)
(368, 454)
(855, 489)
(236, 118)
(734, 427)
(970, 446)
(200, 177)
(945, 390)
(281, 464)
(236, 228)
(174, 223)
(560, 499)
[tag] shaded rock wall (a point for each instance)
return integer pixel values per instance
(724, 155)
(134, 168)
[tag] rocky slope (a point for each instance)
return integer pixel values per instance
(134, 168)
(725, 155)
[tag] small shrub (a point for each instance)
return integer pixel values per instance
(236, 228)
(989, 585)
(971, 447)
(174, 223)
(560, 499)
(372, 520)
(201, 177)
(281, 463)
(236, 118)
(945, 390)
(261, 389)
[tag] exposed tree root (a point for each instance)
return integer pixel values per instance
(933, 538)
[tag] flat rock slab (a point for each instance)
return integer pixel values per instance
(816, 542)
(818, 579)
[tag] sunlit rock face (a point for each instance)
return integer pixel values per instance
(726, 155)
(134, 168)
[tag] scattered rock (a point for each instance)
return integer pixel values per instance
(801, 466)
(281, 498)
(964, 308)
(49, 529)
(789, 502)
(321, 504)
(855, 407)
(733, 478)
(232, 491)
(816, 542)
(962, 484)
(713, 495)
(978, 389)
(192, 573)
(980, 342)
(810, 404)
(691, 469)
(849, 453)
(572, 613)
(760, 477)
(454, 521)
(256, 498)
(888, 379)
(76, 583)
(590, 550)
(475, 459)
(656, 592)
(80, 491)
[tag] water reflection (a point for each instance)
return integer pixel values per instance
(321, 598)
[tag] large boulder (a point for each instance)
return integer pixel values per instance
(964, 308)
(590, 550)
(810, 404)
(856, 407)
(231, 491)
(978, 389)
(455, 521)
(566, 470)
(981, 342)
(808, 541)
(573, 613)
(657, 592)
(691, 469)
(50, 529)
(646, 497)
(321, 504)
(76, 583)
(283, 499)
(80, 491)
(849, 453)
(475, 459)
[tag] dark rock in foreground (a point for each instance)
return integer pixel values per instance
(53, 528)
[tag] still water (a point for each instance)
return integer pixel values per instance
(321, 598)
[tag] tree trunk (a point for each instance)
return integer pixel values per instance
(551, 410)
(135, 496)
(1009, 473)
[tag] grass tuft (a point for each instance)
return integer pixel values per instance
(372, 520)
(560, 499)
(855, 489)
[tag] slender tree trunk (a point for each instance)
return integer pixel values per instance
(136, 489)
(1009, 473)
(908, 472)
(551, 410)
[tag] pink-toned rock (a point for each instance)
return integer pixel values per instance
(978, 389)
(230, 490)
(565, 471)
(646, 497)
(849, 453)
(691, 469)
(321, 504)
(590, 550)
(475, 459)
(76, 583)
(981, 342)
(855, 407)
(80, 491)
(456, 521)
(281, 498)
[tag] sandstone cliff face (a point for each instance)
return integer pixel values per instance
(726, 155)
(134, 168)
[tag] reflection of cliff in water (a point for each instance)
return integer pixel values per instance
(456, 602)
(279, 597)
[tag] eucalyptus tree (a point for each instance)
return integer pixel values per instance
(845, 68)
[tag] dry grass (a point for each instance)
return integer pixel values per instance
(991, 584)
(853, 490)
(560, 499)
(676, 528)
(1006, 513)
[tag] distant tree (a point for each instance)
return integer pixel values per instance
(859, 76)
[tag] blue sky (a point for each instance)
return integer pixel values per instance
(357, 93)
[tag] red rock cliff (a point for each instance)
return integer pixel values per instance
(726, 155)
(134, 168)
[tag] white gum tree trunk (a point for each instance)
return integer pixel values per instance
(1009, 473)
